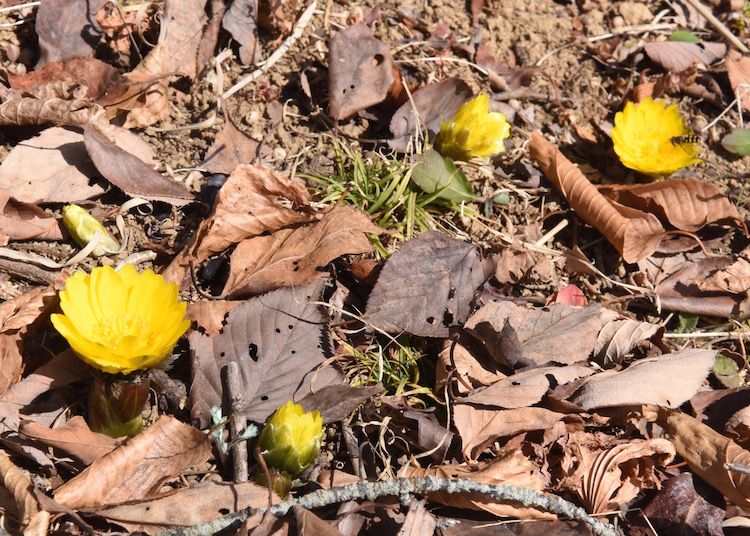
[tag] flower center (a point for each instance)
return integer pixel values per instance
(110, 331)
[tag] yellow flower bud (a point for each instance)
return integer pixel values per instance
(290, 440)
(82, 227)
(473, 131)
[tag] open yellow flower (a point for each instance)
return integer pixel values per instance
(121, 321)
(653, 139)
(290, 440)
(473, 131)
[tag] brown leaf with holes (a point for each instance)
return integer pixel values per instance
(513, 469)
(738, 68)
(706, 452)
(479, 427)
(292, 257)
(361, 71)
(22, 221)
(138, 468)
(686, 204)
(426, 286)
(635, 234)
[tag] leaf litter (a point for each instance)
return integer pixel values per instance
(543, 318)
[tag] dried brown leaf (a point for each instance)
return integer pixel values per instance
(308, 524)
(185, 507)
(91, 75)
(427, 286)
(210, 315)
(634, 233)
(480, 427)
(40, 111)
(669, 381)
(185, 21)
(607, 478)
(61, 169)
(421, 429)
(253, 201)
(13, 479)
(231, 148)
(240, 20)
(419, 521)
(686, 503)
(74, 438)
(139, 467)
(148, 102)
(467, 367)
(337, 402)
(706, 452)
(293, 257)
(51, 379)
(687, 204)
(22, 221)
(279, 339)
(734, 278)
(130, 173)
(681, 55)
(517, 391)
(516, 336)
(431, 105)
(17, 322)
(738, 68)
(619, 337)
(513, 469)
(361, 71)
(65, 29)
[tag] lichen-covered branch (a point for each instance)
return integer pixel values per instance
(405, 489)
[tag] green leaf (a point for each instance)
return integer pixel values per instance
(687, 323)
(726, 371)
(435, 174)
(738, 141)
(685, 36)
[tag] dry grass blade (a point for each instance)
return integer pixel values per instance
(635, 234)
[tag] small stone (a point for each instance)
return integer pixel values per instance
(634, 13)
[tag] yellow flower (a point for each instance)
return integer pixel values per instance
(83, 226)
(290, 440)
(653, 139)
(121, 321)
(473, 131)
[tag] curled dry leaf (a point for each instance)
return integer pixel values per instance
(139, 467)
(734, 279)
(634, 233)
(513, 469)
(13, 480)
(480, 427)
(608, 478)
(21, 221)
(669, 381)
(84, 75)
(426, 286)
(293, 257)
(361, 71)
(706, 452)
(687, 204)
(516, 336)
(33, 111)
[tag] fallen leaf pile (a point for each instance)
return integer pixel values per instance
(541, 334)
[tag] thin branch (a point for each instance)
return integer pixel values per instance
(405, 489)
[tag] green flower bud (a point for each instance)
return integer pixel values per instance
(290, 441)
(82, 227)
(281, 483)
(116, 407)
